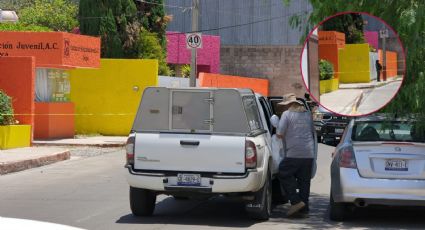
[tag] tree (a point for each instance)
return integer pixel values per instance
(15, 5)
(153, 19)
(115, 21)
(20, 27)
(59, 15)
(151, 49)
(349, 24)
(408, 19)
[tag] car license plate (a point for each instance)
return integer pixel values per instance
(188, 179)
(339, 130)
(396, 165)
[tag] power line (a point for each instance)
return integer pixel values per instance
(171, 6)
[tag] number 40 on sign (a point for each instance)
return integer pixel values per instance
(194, 40)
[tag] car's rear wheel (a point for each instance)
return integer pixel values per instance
(142, 201)
(337, 211)
(264, 198)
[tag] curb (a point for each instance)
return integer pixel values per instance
(370, 87)
(114, 145)
(17, 166)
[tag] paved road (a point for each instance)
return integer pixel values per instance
(91, 193)
(374, 99)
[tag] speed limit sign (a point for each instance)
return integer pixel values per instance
(194, 40)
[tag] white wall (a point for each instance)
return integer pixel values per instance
(173, 82)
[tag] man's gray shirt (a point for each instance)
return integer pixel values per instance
(297, 129)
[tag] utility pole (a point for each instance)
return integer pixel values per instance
(384, 35)
(195, 17)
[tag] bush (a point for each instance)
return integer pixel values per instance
(185, 71)
(21, 27)
(150, 48)
(6, 110)
(326, 70)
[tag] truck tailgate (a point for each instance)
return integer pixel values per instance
(190, 152)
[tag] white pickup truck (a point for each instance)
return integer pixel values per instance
(189, 142)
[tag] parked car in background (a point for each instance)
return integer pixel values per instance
(201, 142)
(329, 126)
(379, 161)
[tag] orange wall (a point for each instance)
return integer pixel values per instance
(258, 85)
(17, 79)
(329, 52)
(52, 49)
(332, 37)
(391, 63)
(54, 120)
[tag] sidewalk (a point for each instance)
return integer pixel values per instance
(14, 160)
(372, 84)
(342, 101)
(95, 141)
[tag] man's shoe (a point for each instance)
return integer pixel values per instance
(295, 208)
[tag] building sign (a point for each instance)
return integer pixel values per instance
(52, 49)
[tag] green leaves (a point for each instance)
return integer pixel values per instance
(6, 111)
(326, 70)
(58, 15)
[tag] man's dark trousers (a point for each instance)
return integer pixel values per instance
(295, 173)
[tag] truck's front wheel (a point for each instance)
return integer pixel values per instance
(142, 201)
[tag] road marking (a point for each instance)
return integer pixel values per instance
(357, 103)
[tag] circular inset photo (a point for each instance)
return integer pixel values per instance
(353, 63)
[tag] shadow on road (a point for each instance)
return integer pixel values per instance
(222, 212)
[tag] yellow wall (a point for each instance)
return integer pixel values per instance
(105, 102)
(354, 63)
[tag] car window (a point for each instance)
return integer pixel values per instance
(386, 131)
(251, 111)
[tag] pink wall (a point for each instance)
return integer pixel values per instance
(372, 38)
(208, 55)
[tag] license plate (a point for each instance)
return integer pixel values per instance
(339, 130)
(189, 179)
(396, 165)
(318, 128)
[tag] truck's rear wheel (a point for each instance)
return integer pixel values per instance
(264, 198)
(142, 201)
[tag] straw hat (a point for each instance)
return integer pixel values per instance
(288, 99)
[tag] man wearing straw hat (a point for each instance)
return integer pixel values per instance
(296, 129)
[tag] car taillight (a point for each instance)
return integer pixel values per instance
(129, 149)
(250, 155)
(347, 158)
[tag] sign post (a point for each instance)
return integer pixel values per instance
(383, 33)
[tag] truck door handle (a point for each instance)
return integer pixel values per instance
(193, 143)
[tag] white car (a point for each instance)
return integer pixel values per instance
(190, 142)
(379, 161)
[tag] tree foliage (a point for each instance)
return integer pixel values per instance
(15, 5)
(128, 29)
(349, 24)
(151, 49)
(408, 19)
(20, 27)
(58, 15)
(115, 21)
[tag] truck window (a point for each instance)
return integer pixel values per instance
(252, 114)
(266, 113)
